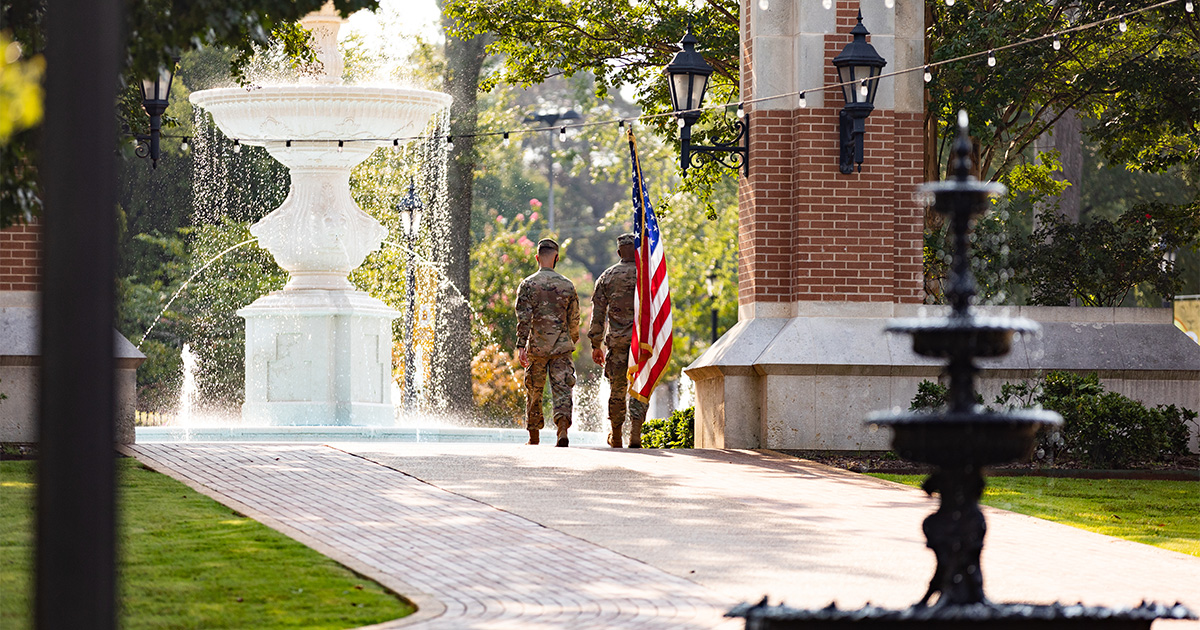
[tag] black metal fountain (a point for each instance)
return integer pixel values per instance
(958, 441)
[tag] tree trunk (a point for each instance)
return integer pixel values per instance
(452, 353)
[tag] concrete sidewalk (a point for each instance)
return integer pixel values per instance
(649, 538)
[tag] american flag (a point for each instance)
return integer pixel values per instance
(651, 348)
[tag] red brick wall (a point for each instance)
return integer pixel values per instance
(21, 258)
(807, 232)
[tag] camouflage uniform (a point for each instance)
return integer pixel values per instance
(548, 328)
(612, 302)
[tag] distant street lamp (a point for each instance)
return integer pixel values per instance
(410, 221)
(155, 94)
(550, 120)
(714, 290)
(1169, 265)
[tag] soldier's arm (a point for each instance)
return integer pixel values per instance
(573, 316)
(524, 309)
(599, 312)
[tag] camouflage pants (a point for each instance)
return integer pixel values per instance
(562, 378)
(616, 370)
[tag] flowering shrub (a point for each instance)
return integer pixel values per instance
(496, 378)
(498, 264)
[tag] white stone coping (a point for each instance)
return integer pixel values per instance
(20, 333)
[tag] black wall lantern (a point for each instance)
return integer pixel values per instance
(155, 94)
(688, 75)
(858, 68)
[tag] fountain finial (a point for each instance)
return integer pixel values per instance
(324, 25)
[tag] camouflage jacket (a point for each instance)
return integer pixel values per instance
(613, 300)
(547, 314)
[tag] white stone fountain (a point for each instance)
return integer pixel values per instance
(319, 352)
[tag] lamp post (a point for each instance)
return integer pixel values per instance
(156, 91)
(687, 76)
(410, 209)
(1168, 301)
(714, 289)
(858, 67)
(550, 120)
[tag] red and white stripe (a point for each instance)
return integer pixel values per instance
(650, 351)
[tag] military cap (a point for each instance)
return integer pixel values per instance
(625, 239)
(547, 243)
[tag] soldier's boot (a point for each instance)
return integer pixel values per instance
(635, 434)
(614, 438)
(534, 437)
(562, 432)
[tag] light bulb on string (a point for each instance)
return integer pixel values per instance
(395, 145)
(803, 100)
(827, 4)
(288, 144)
(889, 3)
(863, 88)
(741, 111)
(506, 139)
(991, 59)
(764, 4)
(183, 145)
(237, 146)
(449, 143)
(680, 122)
(949, 3)
(1122, 25)
(341, 145)
(928, 75)
(1189, 7)
(620, 124)
(1057, 43)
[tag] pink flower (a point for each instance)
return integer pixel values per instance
(534, 217)
(534, 203)
(504, 258)
(501, 220)
(525, 242)
(520, 216)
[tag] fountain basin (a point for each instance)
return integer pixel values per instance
(952, 439)
(370, 117)
(942, 336)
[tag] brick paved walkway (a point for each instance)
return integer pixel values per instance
(464, 563)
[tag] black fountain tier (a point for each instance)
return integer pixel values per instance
(958, 441)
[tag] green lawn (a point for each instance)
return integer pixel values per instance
(190, 562)
(1161, 513)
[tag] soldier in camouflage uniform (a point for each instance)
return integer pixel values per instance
(612, 303)
(547, 331)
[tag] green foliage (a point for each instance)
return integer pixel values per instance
(188, 562)
(1100, 261)
(498, 264)
(930, 396)
(1160, 513)
(677, 431)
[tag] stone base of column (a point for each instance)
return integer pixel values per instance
(318, 357)
(20, 371)
(808, 379)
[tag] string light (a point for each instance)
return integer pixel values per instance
(991, 59)
(395, 145)
(1057, 43)
(1188, 6)
(1122, 25)
(237, 146)
(764, 4)
(288, 144)
(949, 3)
(506, 139)
(183, 145)
(863, 89)
(928, 75)
(828, 4)
(741, 111)
(620, 124)
(889, 3)
(449, 143)
(341, 145)
(680, 122)
(803, 101)
(562, 133)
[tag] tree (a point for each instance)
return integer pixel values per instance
(154, 42)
